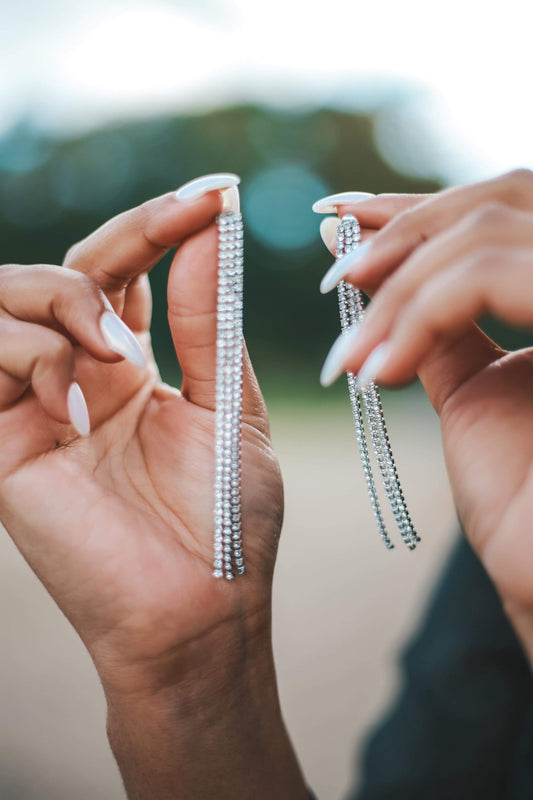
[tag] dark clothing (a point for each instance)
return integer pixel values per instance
(462, 726)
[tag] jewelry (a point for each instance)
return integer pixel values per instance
(228, 554)
(351, 309)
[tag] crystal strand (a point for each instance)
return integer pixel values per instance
(228, 542)
(222, 476)
(347, 316)
(388, 469)
(226, 258)
(374, 410)
(236, 407)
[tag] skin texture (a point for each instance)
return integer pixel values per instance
(118, 526)
(435, 265)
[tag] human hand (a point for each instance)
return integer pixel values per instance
(433, 266)
(118, 525)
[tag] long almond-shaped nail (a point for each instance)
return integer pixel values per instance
(372, 366)
(328, 232)
(207, 183)
(77, 410)
(329, 204)
(342, 267)
(334, 365)
(120, 339)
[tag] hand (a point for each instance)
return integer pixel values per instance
(434, 265)
(118, 525)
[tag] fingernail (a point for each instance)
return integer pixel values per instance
(120, 339)
(107, 303)
(335, 361)
(207, 183)
(342, 267)
(328, 232)
(372, 366)
(77, 410)
(329, 204)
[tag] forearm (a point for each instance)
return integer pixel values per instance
(217, 733)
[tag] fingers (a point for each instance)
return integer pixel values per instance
(373, 212)
(31, 354)
(47, 316)
(438, 314)
(494, 226)
(192, 304)
(420, 222)
(134, 241)
(378, 211)
(409, 251)
(444, 307)
(69, 302)
(137, 307)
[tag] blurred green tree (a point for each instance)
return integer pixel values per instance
(54, 192)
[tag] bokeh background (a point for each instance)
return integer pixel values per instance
(105, 104)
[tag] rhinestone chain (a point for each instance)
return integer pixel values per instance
(228, 554)
(351, 309)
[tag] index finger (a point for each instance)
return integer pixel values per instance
(134, 241)
(418, 222)
(378, 211)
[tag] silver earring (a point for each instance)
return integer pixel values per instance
(228, 552)
(351, 309)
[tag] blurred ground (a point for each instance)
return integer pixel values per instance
(343, 607)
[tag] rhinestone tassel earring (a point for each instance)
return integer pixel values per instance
(351, 309)
(228, 552)
(365, 401)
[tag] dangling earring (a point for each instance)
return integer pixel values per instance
(351, 309)
(228, 553)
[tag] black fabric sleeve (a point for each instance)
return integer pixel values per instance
(456, 728)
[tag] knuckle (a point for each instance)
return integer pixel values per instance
(521, 177)
(488, 217)
(73, 253)
(422, 307)
(145, 220)
(483, 259)
(82, 284)
(57, 349)
(6, 272)
(517, 184)
(78, 289)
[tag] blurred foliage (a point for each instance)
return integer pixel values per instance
(53, 193)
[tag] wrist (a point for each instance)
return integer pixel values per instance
(215, 731)
(234, 648)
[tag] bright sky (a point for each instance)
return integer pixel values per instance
(71, 64)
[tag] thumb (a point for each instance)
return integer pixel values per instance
(192, 314)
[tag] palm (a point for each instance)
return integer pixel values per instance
(127, 515)
(487, 425)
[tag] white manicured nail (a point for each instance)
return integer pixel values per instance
(120, 339)
(207, 183)
(107, 303)
(77, 410)
(342, 267)
(328, 232)
(372, 366)
(329, 204)
(334, 365)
